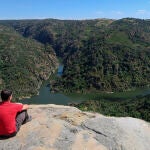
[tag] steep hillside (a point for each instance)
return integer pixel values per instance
(98, 55)
(24, 63)
(115, 60)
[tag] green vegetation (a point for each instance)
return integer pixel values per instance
(138, 107)
(98, 55)
(24, 63)
(114, 58)
(116, 96)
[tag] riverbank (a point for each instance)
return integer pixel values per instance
(37, 89)
(46, 94)
(47, 97)
(115, 96)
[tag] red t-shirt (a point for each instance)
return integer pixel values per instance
(8, 112)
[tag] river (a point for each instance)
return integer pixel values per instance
(45, 97)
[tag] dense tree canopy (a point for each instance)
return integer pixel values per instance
(24, 63)
(101, 54)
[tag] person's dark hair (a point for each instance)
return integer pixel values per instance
(5, 94)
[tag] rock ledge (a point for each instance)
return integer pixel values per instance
(66, 128)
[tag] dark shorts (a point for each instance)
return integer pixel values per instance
(21, 118)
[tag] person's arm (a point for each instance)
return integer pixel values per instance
(25, 107)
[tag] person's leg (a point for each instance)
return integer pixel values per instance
(22, 118)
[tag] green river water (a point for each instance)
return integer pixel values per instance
(46, 97)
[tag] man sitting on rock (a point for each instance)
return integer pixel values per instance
(12, 115)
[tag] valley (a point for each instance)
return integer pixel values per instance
(105, 61)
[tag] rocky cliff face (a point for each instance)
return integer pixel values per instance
(67, 128)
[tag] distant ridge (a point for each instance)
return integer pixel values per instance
(113, 55)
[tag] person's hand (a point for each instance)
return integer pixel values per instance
(25, 107)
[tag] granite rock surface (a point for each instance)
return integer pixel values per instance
(56, 127)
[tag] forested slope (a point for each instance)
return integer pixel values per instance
(24, 63)
(101, 54)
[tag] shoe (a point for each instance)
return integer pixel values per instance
(29, 119)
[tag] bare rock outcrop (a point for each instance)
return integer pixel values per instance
(67, 128)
